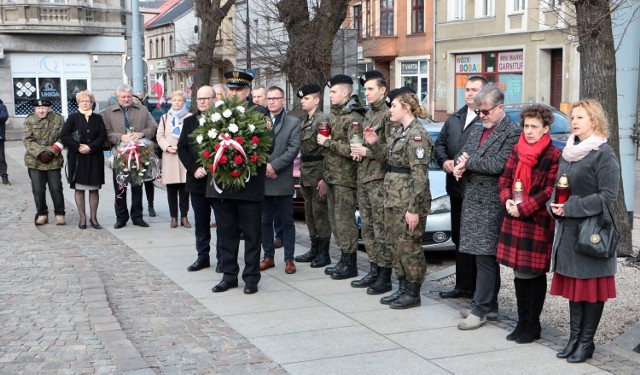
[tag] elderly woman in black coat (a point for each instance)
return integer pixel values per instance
(481, 163)
(84, 134)
(594, 178)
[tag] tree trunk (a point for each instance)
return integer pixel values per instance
(211, 15)
(598, 81)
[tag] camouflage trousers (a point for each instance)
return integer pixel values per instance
(371, 205)
(406, 246)
(342, 216)
(316, 213)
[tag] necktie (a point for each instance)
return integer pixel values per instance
(127, 123)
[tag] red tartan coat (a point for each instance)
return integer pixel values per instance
(526, 241)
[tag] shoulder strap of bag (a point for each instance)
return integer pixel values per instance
(606, 213)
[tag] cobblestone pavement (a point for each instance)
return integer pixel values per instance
(81, 302)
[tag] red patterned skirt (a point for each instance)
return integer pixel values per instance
(583, 290)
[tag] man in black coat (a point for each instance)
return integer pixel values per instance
(196, 184)
(4, 116)
(450, 141)
(240, 211)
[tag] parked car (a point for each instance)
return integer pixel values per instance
(560, 129)
(298, 199)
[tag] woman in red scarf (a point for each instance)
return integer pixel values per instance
(527, 231)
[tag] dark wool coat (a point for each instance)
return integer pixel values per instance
(86, 169)
(482, 212)
(592, 180)
(526, 241)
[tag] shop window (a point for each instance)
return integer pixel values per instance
(417, 16)
(74, 86)
(386, 17)
(24, 90)
(456, 10)
(357, 19)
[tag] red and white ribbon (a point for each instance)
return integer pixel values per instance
(131, 149)
(226, 142)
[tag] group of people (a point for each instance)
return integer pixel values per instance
(501, 179)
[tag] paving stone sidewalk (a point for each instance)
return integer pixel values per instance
(81, 302)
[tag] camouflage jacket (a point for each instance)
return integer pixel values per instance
(311, 172)
(340, 169)
(409, 153)
(374, 166)
(41, 135)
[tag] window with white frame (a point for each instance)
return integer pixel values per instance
(417, 16)
(551, 4)
(518, 6)
(456, 10)
(485, 8)
(386, 17)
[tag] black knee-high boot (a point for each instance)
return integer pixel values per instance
(591, 314)
(575, 326)
(522, 300)
(537, 293)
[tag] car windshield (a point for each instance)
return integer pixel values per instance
(433, 165)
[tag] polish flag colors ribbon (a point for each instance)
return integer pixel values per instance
(226, 142)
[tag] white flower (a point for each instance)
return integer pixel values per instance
(227, 113)
(199, 139)
(252, 128)
(219, 103)
(233, 128)
(202, 121)
(126, 170)
(146, 163)
(144, 170)
(140, 174)
(240, 109)
(213, 133)
(215, 117)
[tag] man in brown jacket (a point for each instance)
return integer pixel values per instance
(127, 121)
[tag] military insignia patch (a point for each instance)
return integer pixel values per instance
(420, 153)
(418, 138)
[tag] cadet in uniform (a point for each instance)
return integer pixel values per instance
(340, 173)
(314, 188)
(371, 171)
(408, 199)
(41, 137)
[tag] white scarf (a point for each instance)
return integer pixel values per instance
(574, 152)
(86, 113)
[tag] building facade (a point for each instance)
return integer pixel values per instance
(518, 44)
(51, 50)
(396, 38)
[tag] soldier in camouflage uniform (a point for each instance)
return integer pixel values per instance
(314, 189)
(340, 174)
(43, 159)
(372, 168)
(408, 199)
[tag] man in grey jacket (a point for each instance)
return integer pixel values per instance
(279, 188)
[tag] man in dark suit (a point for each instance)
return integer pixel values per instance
(128, 121)
(279, 187)
(196, 184)
(452, 137)
(239, 211)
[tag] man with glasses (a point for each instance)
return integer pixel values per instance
(128, 121)
(239, 211)
(481, 163)
(279, 187)
(196, 183)
(452, 137)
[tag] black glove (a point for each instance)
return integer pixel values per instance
(46, 157)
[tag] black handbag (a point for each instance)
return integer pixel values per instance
(598, 236)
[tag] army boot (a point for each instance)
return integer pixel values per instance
(386, 300)
(368, 279)
(323, 258)
(330, 270)
(410, 298)
(349, 267)
(382, 283)
(311, 254)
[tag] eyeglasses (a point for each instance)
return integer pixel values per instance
(485, 111)
(205, 98)
(276, 98)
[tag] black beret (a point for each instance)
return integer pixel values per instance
(238, 79)
(40, 103)
(393, 93)
(308, 89)
(340, 79)
(371, 74)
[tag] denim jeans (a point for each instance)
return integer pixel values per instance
(39, 181)
(281, 206)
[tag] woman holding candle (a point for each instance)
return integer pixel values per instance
(526, 237)
(593, 174)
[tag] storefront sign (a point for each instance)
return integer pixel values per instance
(409, 67)
(469, 63)
(511, 62)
